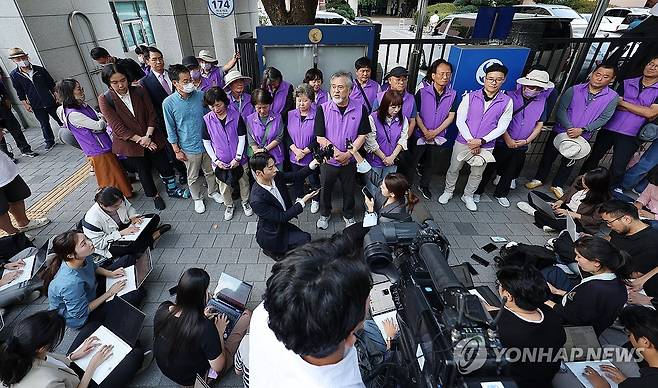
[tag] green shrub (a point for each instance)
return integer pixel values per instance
(341, 7)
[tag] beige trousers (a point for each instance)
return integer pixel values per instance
(193, 164)
(452, 175)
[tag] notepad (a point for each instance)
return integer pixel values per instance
(131, 284)
(578, 368)
(133, 236)
(119, 352)
(26, 275)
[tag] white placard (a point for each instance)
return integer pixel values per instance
(131, 284)
(26, 275)
(133, 236)
(578, 368)
(119, 352)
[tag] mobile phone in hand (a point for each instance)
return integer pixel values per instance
(367, 193)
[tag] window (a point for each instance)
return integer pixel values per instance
(133, 22)
(534, 11)
(441, 27)
(618, 13)
(461, 28)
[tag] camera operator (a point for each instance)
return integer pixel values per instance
(303, 333)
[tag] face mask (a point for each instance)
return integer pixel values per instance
(530, 93)
(206, 66)
(195, 74)
(189, 88)
(24, 63)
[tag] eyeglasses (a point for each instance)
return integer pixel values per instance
(611, 221)
(495, 80)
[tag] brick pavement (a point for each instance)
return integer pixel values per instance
(209, 242)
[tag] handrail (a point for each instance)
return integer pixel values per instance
(77, 44)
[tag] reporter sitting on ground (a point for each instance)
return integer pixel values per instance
(581, 202)
(641, 324)
(310, 342)
(71, 283)
(189, 338)
(12, 269)
(598, 298)
(271, 202)
(527, 323)
(394, 201)
(113, 217)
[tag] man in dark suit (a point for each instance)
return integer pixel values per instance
(271, 201)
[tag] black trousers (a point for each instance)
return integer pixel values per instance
(429, 154)
(347, 176)
(409, 160)
(43, 116)
(550, 155)
(624, 147)
(135, 298)
(137, 247)
(8, 121)
(143, 166)
(509, 161)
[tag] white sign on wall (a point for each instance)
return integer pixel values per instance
(221, 8)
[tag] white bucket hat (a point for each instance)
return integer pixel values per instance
(573, 149)
(536, 78)
(205, 56)
(234, 75)
(476, 160)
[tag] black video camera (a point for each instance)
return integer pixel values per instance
(322, 153)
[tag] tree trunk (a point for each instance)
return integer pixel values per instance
(301, 12)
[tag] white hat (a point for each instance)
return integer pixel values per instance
(205, 56)
(476, 160)
(654, 10)
(234, 75)
(363, 167)
(572, 148)
(536, 78)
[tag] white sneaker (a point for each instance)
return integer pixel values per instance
(476, 198)
(323, 223)
(512, 184)
(248, 211)
(199, 207)
(34, 223)
(228, 213)
(503, 201)
(548, 229)
(445, 197)
(618, 190)
(470, 204)
(496, 180)
(217, 197)
(533, 184)
(315, 207)
(557, 191)
(526, 208)
(349, 221)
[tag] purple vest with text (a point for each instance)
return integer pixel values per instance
(339, 127)
(243, 106)
(524, 121)
(581, 113)
(387, 137)
(224, 139)
(280, 96)
(433, 114)
(408, 103)
(92, 144)
(301, 133)
(257, 130)
(628, 123)
(480, 122)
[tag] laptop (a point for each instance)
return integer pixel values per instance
(544, 206)
(484, 292)
(230, 298)
(571, 228)
(28, 280)
(127, 322)
(143, 267)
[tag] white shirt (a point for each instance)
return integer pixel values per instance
(8, 170)
(371, 144)
(29, 74)
(503, 121)
(271, 365)
(434, 19)
(576, 200)
(275, 192)
(127, 101)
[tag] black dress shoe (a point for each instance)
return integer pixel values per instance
(158, 202)
(164, 228)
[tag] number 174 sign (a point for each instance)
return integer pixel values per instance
(221, 8)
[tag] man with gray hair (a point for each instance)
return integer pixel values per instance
(344, 124)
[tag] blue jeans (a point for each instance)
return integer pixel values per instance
(377, 175)
(635, 177)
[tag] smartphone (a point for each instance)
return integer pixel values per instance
(366, 192)
(480, 260)
(489, 247)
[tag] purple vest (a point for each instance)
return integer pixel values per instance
(243, 106)
(280, 96)
(301, 133)
(408, 103)
(224, 139)
(581, 113)
(480, 122)
(434, 115)
(628, 123)
(92, 144)
(371, 88)
(387, 137)
(339, 127)
(524, 121)
(321, 97)
(257, 131)
(215, 77)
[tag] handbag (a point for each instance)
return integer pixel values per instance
(268, 126)
(648, 132)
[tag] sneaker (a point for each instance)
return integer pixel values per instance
(34, 295)
(228, 213)
(512, 184)
(425, 191)
(158, 202)
(550, 243)
(323, 223)
(315, 207)
(49, 147)
(476, 198)
(526, 208)
(445, 197)
(199, 207)
(503, 201)
(470, 204)
(248, 211)
(636, 192)
(548, 229)
(618, 190)
(182, 179)
(34, 224)
(496, 180)
(146, 361)
(557, 191)
(349, 221)
(533, 184)
(29, 154)
(217, 198)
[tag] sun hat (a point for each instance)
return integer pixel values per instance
(234, 75)
(16, 52)
(572, 148)
(476, 160)
(205, 56)
(536, 78)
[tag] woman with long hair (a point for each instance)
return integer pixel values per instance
(190, 338)
(394, 201)
(90, 132)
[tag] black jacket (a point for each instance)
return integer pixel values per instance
(273, 219)
(38, 91)
(133, 68)
(157, 94)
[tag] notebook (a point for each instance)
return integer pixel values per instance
(135, 274)
(578, 369)
(230, 298)
(119, 352)
(141, 226)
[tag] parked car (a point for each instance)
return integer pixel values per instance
(618, 14)
(578, 23)
(608, 24)
(326, 17)
(632, 19)
(362, 20)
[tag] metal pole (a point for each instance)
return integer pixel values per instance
(415, 53)
(590, 32)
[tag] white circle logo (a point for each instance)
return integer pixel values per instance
(470, 354)
(480, 73)
(221, 8)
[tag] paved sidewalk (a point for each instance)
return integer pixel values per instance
(209, 242)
